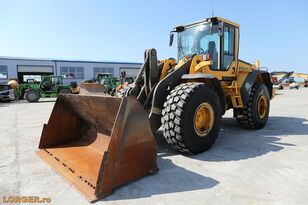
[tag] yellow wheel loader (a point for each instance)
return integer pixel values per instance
(99, 143)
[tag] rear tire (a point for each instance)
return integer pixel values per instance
(180, 121)
(255, 114)
(32, 95)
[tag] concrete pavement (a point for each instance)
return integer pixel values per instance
(268, 166)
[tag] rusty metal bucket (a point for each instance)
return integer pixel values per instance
(92, 88)
(98, 143)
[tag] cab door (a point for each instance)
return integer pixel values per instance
(228, 54)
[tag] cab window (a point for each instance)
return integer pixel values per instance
(229, 33)
(56, 82)
(200, 39)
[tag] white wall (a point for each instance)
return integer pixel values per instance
(88, 67)
(12, 66)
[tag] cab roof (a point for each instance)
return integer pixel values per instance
(211, 19)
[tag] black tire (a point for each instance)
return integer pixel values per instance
(251, 119)
(65, 91)
(178, 117)
(32, 95)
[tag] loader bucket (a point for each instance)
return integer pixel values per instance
(92, 88)
(98, 143)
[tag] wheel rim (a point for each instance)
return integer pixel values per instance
(32, 96)
(203, 119)
(262, 106)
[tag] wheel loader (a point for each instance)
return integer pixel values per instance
(103, 83)
(99, 143)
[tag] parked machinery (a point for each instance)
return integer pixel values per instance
(125, 85)
(50, 86)
(7, 93)
(103, 83)
(303, 76)
(287, 79)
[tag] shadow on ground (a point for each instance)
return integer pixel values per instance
(169, 179)
(235, 143)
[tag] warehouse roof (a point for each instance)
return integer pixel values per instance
(62, 60)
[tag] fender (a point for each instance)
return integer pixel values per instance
(251, 79)
(268, 82)
(215, 84)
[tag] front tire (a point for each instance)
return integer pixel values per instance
(32, 95)
(256, 111)
(191, 118)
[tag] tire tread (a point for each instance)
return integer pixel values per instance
(173, 115)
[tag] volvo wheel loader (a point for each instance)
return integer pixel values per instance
(99, 143)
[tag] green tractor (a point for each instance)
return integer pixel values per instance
(50, 86)
(109, 81)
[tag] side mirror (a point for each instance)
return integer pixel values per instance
(171, 39)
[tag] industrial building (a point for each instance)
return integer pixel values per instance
(72, 70)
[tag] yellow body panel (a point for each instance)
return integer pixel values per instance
(237, 70)
(228, 22)
(168, 64)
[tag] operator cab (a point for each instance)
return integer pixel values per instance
(51, 83)
(214, 38)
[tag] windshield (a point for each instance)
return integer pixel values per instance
(104, 81)
(200, 39)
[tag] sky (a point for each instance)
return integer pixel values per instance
(275, 32)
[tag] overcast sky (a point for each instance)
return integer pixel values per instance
(275, 32)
